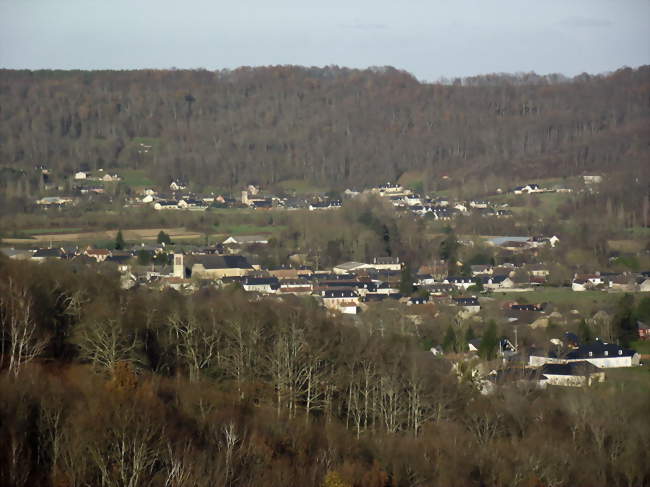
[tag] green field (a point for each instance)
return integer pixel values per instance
(135, 178)
(641, 346)
(584, 301)
(629, 377)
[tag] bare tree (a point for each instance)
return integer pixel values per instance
(18, 327)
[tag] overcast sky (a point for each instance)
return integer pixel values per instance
(429, 38)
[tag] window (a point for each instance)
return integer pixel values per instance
(591, 354)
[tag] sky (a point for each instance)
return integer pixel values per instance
(431, 39)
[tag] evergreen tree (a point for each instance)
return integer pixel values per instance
(490, 342)
(406, 281)
(449, 250)
(624, 322)
(469, 334)
(584, 332)
(163, 238)
(119, 241)
(449, 342)
(643, 310)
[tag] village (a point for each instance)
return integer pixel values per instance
(514, 295)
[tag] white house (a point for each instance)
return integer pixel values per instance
(598, 353)
(80, 175)
(574, 374)
(246, 240)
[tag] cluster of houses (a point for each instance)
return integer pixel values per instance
(612, 281)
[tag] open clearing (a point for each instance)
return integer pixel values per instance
(129, 235)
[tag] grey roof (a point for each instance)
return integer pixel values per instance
(222, 261)
(580, 368)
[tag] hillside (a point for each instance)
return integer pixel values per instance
(332, 126)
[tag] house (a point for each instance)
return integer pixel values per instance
(468, 305)
(417, 300)
(44, 254)
(589, 180)
(599, 353)
(16, 254)
(246, 240)
(324, 205)
(644, 330)
(79, 175)
(53, 201)
(528, 189)
(644, 285)
(177, 185)
(100, 255)
(344, 300)
(264, 285)
(166, 205)
(386, 263)
(573, 374)
(481, 270)
(459, 282)
(583, 282)
(218, 266)
(499, 282)
(295, 286)
(349, 267)
(110, 178)
(506, 240)
(538, 270)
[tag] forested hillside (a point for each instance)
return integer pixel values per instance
(335, 126)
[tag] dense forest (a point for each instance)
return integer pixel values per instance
(334, 126)
(106, 387)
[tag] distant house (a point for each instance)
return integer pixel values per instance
(481, 270)
(100, 255)
(324, 205)
(349, 267)
(264, 285)
(644, 285)
(177, 185)
(344, 300)
(592, 179)
(573, 374)
(644, 330)
(386, 263)
(499, 282)
(53, 201)
(44, 254)
(166, 205)
(528, 189)
(246, 240)
(110, 178)
(459, 282)
(583, 282)
(599, 353)
(16, 254)
(468, 305)
(218, 266)
(79, 175)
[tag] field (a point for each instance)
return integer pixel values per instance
(138, 234)
(136, 178)
(563, 296)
